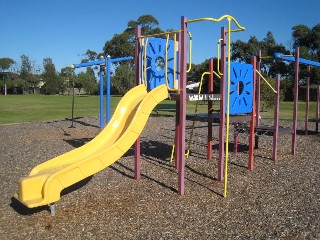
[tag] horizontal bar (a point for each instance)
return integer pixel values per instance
(88, 64)
(120, 59)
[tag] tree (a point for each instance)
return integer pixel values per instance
(5, 64)
(243, 51)
(122, 45)
(28, 74)
(66, 74)
(53, 82)
(308, 40)
(90, 56)
(123, 80)
(88, 81)
(119, 46)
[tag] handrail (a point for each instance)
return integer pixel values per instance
(228, 17)
(160, 34)
(217, 75)
(144, 79)
(166, 56)
(166, 66)
(195, 111)
(266, 81)
(190, 51)
(219, 53)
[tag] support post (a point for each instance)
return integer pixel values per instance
(182, 112)
(101, 113)
(52, 209)
(258, 86)
(210, 104)
(317, 110)
(178, 126)
(137, 63)
(108, 86)
(235, 137)
(276, 119)
(252, 121)
(177, 134)
(222, 121)
(307, 101)
(295, 107)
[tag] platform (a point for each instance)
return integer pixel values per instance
(197, 97)
(262, 130)
(316, 120)
(215, 118)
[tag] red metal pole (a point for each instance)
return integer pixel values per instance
(276, 119)
(317, 110)
(177, 134)
(252, 121)
(183, 108)
(235, 138)
(178, 127)
(137, 61)
(295, 107)
(258, 91)
(222, 121)
(210, 91)
(307, 101)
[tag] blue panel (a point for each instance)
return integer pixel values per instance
(241, 88)
(156, 56)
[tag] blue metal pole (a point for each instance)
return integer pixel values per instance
(108, 89)
(120, 59)
(101, 100)
(88, 64)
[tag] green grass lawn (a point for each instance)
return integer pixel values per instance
(26, 108)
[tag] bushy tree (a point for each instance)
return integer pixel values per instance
(243, 51)
(308, 40)
(5, 64)
(123, 80)
(122, 44)
(28, 74)
(66, 74)
(88, 81)
(54, 84)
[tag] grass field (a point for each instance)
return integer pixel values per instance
(26, 108)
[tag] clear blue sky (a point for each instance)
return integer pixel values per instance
(63, 30)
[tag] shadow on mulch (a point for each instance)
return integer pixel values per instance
(23, 210)
(76, 120)
(117, 165)
(242, 148)
(77, 142)
(303, 133)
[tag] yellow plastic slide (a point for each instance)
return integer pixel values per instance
(47, 180)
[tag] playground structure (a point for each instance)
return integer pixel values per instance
(236, 96)
(161, 71)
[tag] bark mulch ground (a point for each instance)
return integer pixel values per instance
(274, 201)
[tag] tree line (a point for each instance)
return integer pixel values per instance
(27, 78)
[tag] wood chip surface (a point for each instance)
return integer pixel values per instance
(277, 200)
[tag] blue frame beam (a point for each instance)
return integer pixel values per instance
(290, 58)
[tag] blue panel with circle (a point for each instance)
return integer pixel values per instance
(241, 88)
(156, 57)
